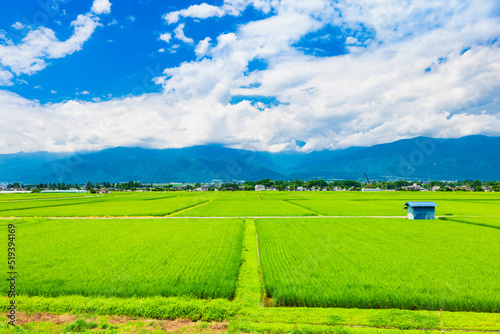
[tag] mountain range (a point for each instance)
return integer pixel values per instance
(420, 158)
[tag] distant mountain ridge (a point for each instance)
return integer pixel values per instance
(421, 158)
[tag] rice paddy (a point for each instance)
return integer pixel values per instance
(242, 204)
(349, 258)
(127, 258)
(380, 263)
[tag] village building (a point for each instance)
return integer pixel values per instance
(260, 187)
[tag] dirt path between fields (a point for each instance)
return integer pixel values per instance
(167, 325)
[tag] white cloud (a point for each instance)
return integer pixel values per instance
(161, 50)
(179, 34)
(173, 48)
(6, 78)
(18, 26)
(378, 92)
(82, 93)
(230, 7)
(202, 47)
(202, 11)
(101, 7)
(113, 22)
(166, 37)
(53, 91)
(30, 55)
(131, 18)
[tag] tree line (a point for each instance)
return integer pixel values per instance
(352, 185)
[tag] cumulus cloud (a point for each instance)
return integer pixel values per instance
(230, 7)
(18, 26)
(179, 34)
(409, 69)
(30, 55)
(166, 37)
(101, 7)
(6, 78)
(202, 47)
(202, 11)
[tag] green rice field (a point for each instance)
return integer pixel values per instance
(129, 257)
(241, 204)
(380, 263)
(101, 205)
(272, 262)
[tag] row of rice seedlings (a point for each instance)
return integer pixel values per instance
(380, 263)
(126, 258)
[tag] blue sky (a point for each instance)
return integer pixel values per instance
(121, 54)
(255, 74)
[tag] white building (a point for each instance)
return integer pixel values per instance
(260, 187)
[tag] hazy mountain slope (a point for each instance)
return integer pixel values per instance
(472, 157)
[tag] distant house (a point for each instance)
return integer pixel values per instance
(300, 189)
(272, 188)
(103, 190)
(414, 187)
(436, 188)
(260, 187)
(420, 210)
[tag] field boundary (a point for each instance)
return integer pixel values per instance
(450, 219)
(188, 208)
(304, 207)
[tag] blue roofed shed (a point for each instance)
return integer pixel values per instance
(420, 210)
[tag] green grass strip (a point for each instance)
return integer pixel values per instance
(279, 328)
(385, 318)
(248, 290)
